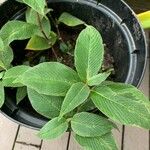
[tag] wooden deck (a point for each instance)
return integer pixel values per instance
(16, 137)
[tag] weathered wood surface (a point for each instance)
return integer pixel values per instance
(8, 131)
(28, 138)
(59, 144)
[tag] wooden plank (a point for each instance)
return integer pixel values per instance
(19, 146)
(58, 144)
(147, 33)
(27, 140)
(118, 136)
(135, 138)
(144, 87)
(8, 131)
(73, 144)
(28, 136)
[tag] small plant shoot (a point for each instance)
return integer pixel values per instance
(73, 94)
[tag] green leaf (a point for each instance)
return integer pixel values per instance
(48, 106)
(122, 88)
(37, 43)
(1, 44)
(2, 66)
(6, 57)
(105, 142)
(21, 94)
(66, 47)
(46, 27)
(44, 23)
(52, 38)
(89, 53)
(75, 96)
(53, 129)
(12, 74)
(90, 125)
(127, 90)
(2, 94)
(50, 78)
(88, 105)
(37, 5)
(17, 30)
(32, 16)
(63, 47)
(123, 103)
(2, 74)
(98, 79)
(70, 20)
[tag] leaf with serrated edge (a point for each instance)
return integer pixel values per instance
(2, 66)
(88, 105)
(89, 53)
(98, 79)
(2, 94)
(6, 57)
(17, 30)
(34, 18)
(37, 5)
(127, 105)
(75, 96)
(122, 88)
(37, 43)
(70, 20)
(52, 38)
(90, 125)
(48, 106)
(2, 74)
(53, 129)
(12, 74)
(1, 44)
(50, 78)
(21, 94)
(105, 142)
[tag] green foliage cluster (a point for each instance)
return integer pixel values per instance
(69, 97)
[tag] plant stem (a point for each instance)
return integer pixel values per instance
(94, 110)
(41, 28)
(44, 34)
(37, 54)
(58, 32)
(68, 141)
(57, 28)
(53, 50)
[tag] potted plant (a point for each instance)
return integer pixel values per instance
(56, 64)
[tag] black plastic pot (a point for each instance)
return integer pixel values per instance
(121, 33)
